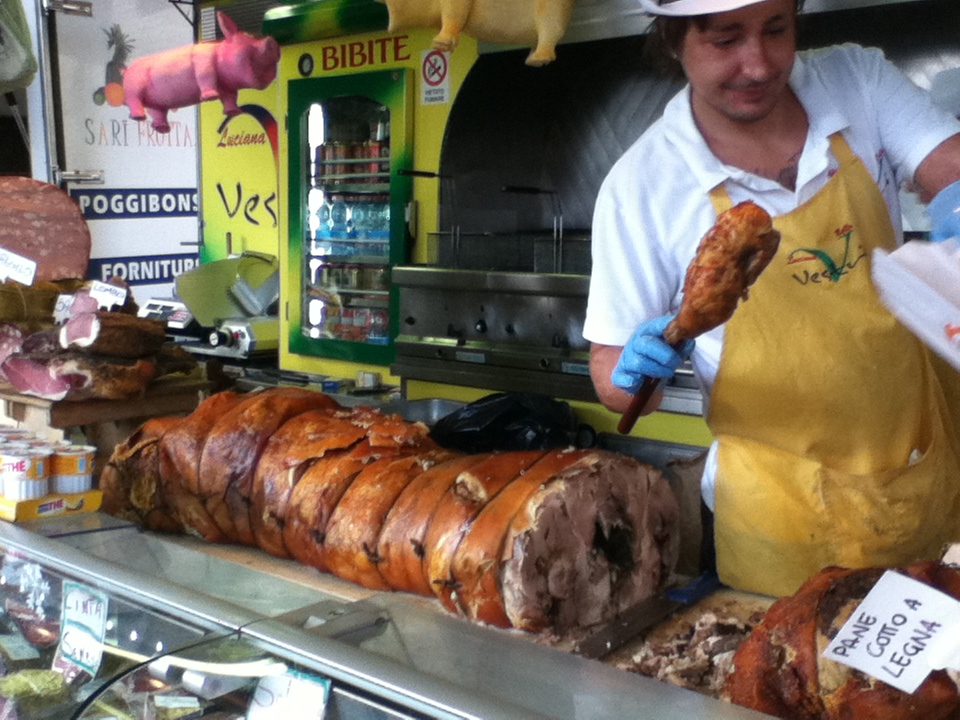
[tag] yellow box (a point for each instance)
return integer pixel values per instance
(50, 506)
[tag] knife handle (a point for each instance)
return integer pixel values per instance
(696, 589)
(637, 403)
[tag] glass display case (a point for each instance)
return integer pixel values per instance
(347, 137)
(185, 629)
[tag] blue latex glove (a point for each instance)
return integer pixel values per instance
(944, 212)
(647, 354)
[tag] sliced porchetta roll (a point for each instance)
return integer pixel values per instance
(315, 497)
(401, 546)
(179, 451)
(588, 545)
(233, 449)
(475, 569)
(471, 490)
(353, 532)
(130, 480)
(296, 445)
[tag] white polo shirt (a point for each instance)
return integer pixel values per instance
(653, 207)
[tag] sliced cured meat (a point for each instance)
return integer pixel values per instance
(288, 453)
(130, 480)
(11, 341)
(475, 568)
(781, 669)
(77, 376)
(46, 342)
(180, 450)
(471, 490)
(353, 533)
(232, 450)
(41, 222)
(588, 545)
(113, 333)
(401, 546)
(315, 498)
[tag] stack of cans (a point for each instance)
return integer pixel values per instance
(31, 467)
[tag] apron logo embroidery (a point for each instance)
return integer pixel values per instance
(833, 270)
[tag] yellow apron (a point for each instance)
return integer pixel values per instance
(835, 443)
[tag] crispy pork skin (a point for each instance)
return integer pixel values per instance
(456, 511)
(401, 547)
(180, 450)
(232, 450)
(728, 261)
(779, 669)
(289, 452)
(131, 483)
(353, 533)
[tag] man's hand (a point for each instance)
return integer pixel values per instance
(647, 354)
(944, 212)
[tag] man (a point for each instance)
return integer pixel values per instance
(834, 443)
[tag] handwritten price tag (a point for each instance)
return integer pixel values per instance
(16, 267)
(107, 295)
(892, 634)
(83, 623)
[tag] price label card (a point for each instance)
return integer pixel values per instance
(61, 311)
(891, 634)
(292, 696)
(107, 295)
(83, 625)
(16, 267)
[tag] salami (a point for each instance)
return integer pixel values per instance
(41, 222)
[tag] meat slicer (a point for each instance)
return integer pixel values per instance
(226, 308)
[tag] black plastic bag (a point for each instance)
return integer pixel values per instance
(508, 421)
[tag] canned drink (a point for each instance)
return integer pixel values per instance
(9, 434)
(26, 474)
(73, 460)
(351, 277)
(71, 483)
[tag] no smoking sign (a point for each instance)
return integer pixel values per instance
(435, 71)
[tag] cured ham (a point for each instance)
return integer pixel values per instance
(113, 333)
(78, 376)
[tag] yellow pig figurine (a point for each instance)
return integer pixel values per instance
(539, 23)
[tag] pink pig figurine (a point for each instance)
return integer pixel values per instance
(187, 75)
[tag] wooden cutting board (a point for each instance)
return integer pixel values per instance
(41, 222)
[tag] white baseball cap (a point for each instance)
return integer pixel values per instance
(681, 8)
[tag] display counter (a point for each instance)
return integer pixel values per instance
(381, 655)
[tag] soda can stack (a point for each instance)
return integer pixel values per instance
(71, 468)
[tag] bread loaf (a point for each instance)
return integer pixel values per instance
(542, 540)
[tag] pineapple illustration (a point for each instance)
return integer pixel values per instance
(112, 90)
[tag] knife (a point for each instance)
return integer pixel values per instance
(644, 615)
